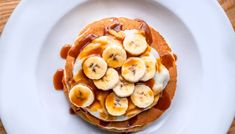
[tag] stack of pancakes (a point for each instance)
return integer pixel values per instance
(95, 111)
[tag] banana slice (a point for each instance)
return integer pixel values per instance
(115, 105)
(94, 67)
(124, 88)
(161, 78)
(107, 40)
(134, 42)
(119, 35)
(114, 55)
(108, 81)
(143, 96)
(150, 63)
(81, 96)
(133, 69)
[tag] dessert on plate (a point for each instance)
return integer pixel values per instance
(120, 74)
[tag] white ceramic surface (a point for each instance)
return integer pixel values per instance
(198, 32)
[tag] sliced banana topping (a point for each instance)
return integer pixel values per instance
(114, 55)
(143, 96)
(108, 81)
(150, 63)
(107, 40)
(119, 35)
(94, 67)
(105, 62)
(124, 88)
(134, 42)
(115, 105)
(81, 96)
(133, 69)
(161, 78)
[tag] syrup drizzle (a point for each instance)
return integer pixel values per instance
(57, 79)
(64, 51)
(145, 27)
(116, 26)
(75, 50)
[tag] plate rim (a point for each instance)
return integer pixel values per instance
(20, 9)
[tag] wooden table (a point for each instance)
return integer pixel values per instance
(7, 6)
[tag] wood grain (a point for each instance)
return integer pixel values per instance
(229, 7)
(7, 7)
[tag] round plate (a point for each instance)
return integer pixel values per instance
(202, 39)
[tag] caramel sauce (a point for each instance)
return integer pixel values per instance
(103, 123)
(132, 109)
(145, 27)
(57, 79)
(129, 55)
(131, 106)
(103, 115)
(95, 49)
(158, 65)
(131, 62)
(164, 102)
(77, 110)
(150, 92)
(75, 50)
(106, 116)
(83, 110)
(116, 26)
(64, 51)
(71, 111)
(150, 83)
(119, 70)
(95, 106)
(132, 120)
(175, 57)
(167, 60)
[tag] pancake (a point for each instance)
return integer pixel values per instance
(142, 118)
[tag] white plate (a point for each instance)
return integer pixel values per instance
(198, 32)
